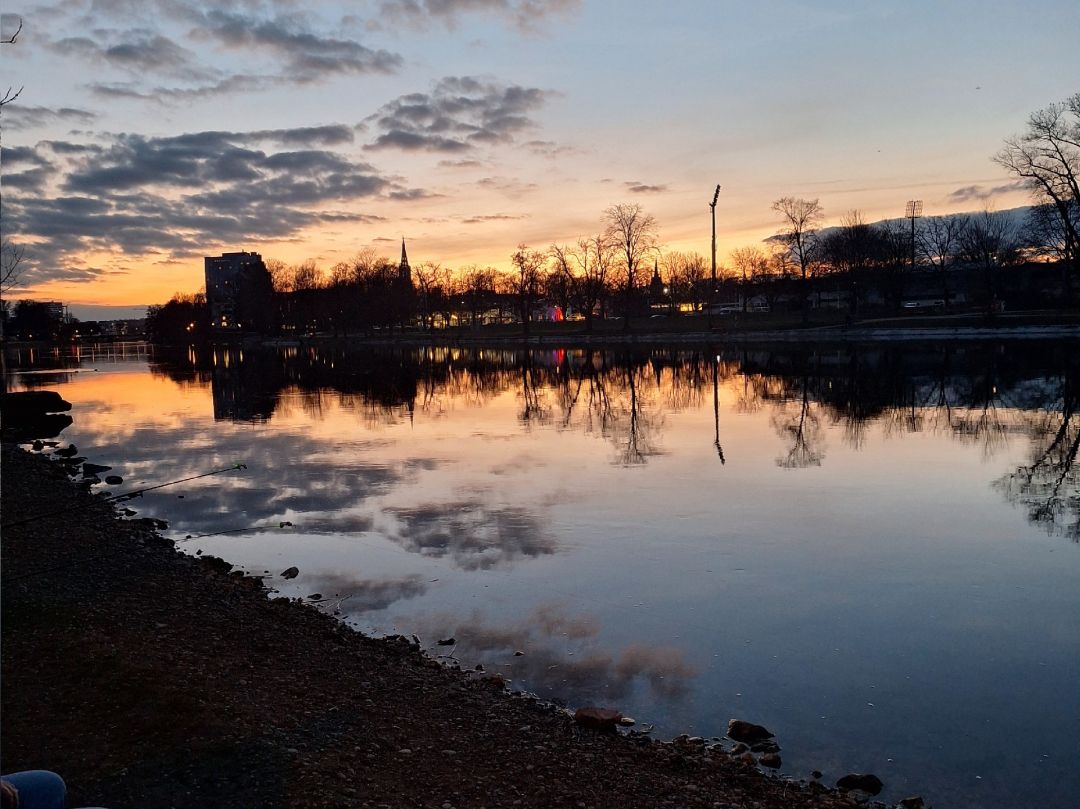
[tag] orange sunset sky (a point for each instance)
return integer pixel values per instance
(149, 134)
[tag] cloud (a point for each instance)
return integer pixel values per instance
(135, 51)
(363, 595)
(460, 164)
(306, 56)
(525, 15)
(550, 149)
(510, 186)
(458, 115)
(17, 116)
(564, 657)
(474, 534)
(495, 217)
(182, 195)
(979, 193)
(641, 188)
(271, 44)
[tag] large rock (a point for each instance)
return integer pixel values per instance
(867, 783)
(604, 719)
(32, 403)
(747, 732)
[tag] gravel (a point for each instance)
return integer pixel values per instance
(149, 678)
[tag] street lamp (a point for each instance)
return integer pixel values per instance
(912, 211)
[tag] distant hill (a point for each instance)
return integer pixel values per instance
(1016, 217)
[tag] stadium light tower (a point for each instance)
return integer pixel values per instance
(712, 207)
(913, 210)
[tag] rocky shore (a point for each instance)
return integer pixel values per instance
(149, 678)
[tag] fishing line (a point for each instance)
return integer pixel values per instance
(119, 498)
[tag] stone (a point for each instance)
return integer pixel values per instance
(914, 802)
(628, 721)
(94, 469)
(747, 732)
(315, 596)
(603, 719)
(290, 572)
(112, 480)
(771, 760)
(31, 403)
(739, 749)
(446, 642)
(815, 774)
(867, 783)
(769, 746)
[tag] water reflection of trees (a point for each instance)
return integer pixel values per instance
(1048, 487)
(982, 394)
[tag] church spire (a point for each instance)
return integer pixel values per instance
(404, 270)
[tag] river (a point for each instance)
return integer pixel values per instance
(872, 550)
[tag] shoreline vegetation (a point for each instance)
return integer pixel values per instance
(148, 677)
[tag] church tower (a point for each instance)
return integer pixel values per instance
(404, 270)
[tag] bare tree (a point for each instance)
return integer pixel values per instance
(687, 274)
(306, 276)
(634, 235)
(11, 94)
(939, 243)
(851, 250)
(525, 280)
(433, 285)
(750, 263)
(478, 287)
(11, 265)
(1047, 158)
(801, 218)
(989, 242)
(594, 258)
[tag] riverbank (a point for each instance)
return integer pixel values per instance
(151, 678)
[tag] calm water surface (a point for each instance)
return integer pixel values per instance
(874, 552)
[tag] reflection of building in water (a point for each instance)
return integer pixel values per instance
(243, 387)
(238, 291)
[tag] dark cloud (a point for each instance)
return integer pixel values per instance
(460, 164)
(459, 114)
(642, 188)
(525, 15)
(18, 116)
(331, 135)
(306, 56)
(981, 193)
(473, 533)
(274, 43)
(495, 217)
(136, 51)
(409, 194)
(182, 195)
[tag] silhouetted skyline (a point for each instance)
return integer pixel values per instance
(150, 135)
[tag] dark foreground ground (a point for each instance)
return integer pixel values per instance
(152, 679)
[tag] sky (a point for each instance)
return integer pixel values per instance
(149, 134)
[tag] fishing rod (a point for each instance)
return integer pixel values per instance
(189, 537)
(120, 498)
